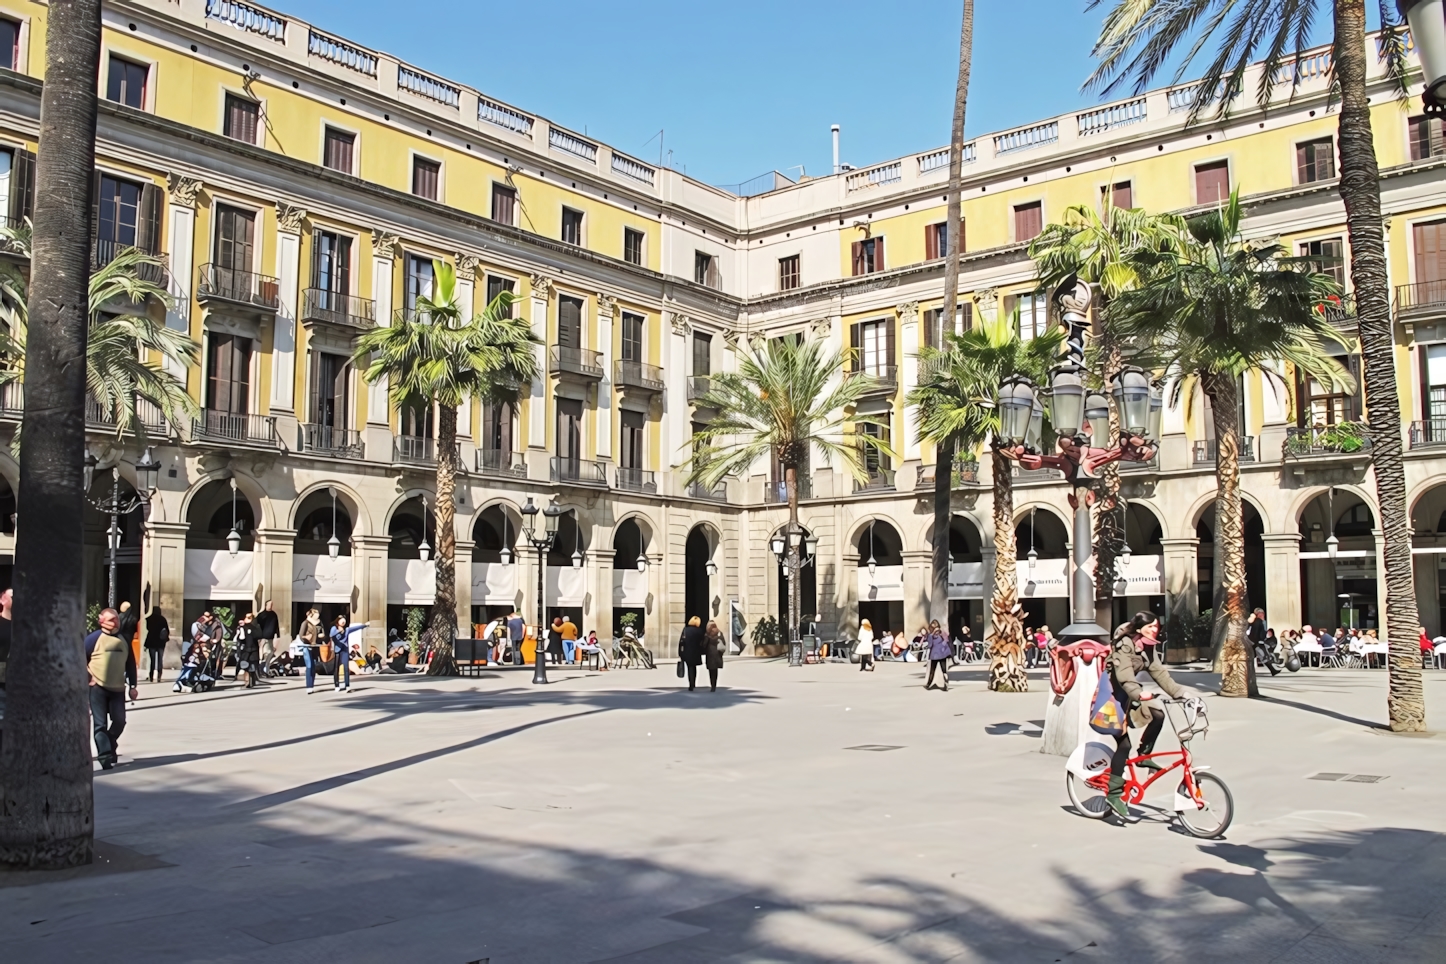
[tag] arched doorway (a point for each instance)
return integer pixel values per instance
(215, 579)
(1142, 587)
(881, 578)
(630, 580)
(966, 578)
(1207, 575)
(1338, 580)
(1428, 526)
(698, 584)
(97, 545)
(411, 580)
(807, 583)
(325, 584)
(566, 576)
(1044, 582)
(493, 569)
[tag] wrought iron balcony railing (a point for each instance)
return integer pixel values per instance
(719, 492)
(234, 427)
(414, 449)
(882, 379)
(698, 386)
(234, 286)
(877, 480)
(635, 374)
(637, 480)
(579, 471)
(966, 472)
(1342, 438)
(1204, 450)
(347, 311)
(1423, 295)
(583, 362)
(1431, 431)
(501, 462)
(341, 443)
(776, 492)
(148, 416)
(105, 252)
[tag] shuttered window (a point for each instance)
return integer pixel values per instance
(504, 204)
(1028, 221)
(702, 354)
(419, 280)
(1033, 311)
(569, 430)
(788, 276)
(1315, 161)
(934, 323)
(126, 83)
(330, 383)
(496, 285)
(936, 240)
(872, 344)
(10, 43)
(632, 337)
(1323, 405)
(235, 238)
(868, 256)
(1328, 257)
(1426, 137)
(1430, 244)
(228, 373)
(497, 426)
(632, 246)
(331, 266)
(18, 178)
(241, 118)
(571, 226)
(1121, 195)
(425, 176)
(1212, 182)
(569, 322)
(338, 150)
(633, 425)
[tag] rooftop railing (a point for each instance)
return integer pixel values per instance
(245, 17)
(503, 116)
(874, 176)
(341, 53)
(630, 168)
(1111, 117)
(431, 88)
(1026, 138)
(561, 140)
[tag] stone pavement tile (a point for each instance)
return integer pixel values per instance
(1323, 949)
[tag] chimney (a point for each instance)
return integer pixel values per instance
(835, 148)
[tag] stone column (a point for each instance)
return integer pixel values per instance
(466, 300)
(1182, 575)
(908, 364)
(272, 569)
(917, 577)
(1383, 627)
(601, 617)
(385, 249)
(1275, 411)
(369, 587)
(607, 308)
(164, 567)
(288, 274)
(537, 404)
(987, 559)
(1282, 580)
(181, 232)
(463, 570)
(676, 419)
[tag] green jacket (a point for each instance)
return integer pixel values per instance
(1125, 663)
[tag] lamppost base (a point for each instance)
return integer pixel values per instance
(539, 671)
(795, 652)
(1079, 632)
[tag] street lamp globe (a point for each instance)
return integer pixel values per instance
(552, 517)
(529, 519)
(1016, 404)
(1157, 407)
(505, 556)
(776, 544)
(1333, 545)
(811, 544)
(873, 566)
(1427, 19)
(577, 558)
(1033, 558)
(1097, 413)
(113, 536)
(1131, 390)
(233, 542)
(148, 473)
(1066, 399)
(711, 568)
(643, 562)
(424, 551)
(333, 546)
(1034, 435)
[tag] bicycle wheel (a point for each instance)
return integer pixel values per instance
(1214, 818)
(1088, 801)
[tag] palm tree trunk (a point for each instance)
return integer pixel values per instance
(1237, 663)
(1006, 632)
(944, 457)
(444, 605)
(47, 816)
(1360, 190)
(791, 570)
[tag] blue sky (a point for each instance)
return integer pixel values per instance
(744, 87)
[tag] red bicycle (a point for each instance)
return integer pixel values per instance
(1202, 801)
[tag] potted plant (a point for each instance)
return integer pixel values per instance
(416, 621)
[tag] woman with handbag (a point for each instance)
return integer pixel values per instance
(713, 645)
(1135, 650)
(158, 634)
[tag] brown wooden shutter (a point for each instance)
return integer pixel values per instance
(315, 393)
(94, 211)
(966, 319)
(931, 242)
(1354, 410)
(1423, 364)
(878, 254)
(22, 188)
(1302, 160)
(889, 327)
(1430, 252)
(148, 228)
(931, 319)
(858, 257)
(855, 345)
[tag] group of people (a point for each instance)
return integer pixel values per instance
(890, 645)
(701, 646)
(565, 643)
(1311, 644)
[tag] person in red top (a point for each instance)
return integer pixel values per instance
(1428, 648)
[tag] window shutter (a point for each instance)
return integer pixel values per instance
(931, 321)
(855, 344)
(22, 188)
(889, 327)
(148, 229)
(1007, 306)
(858, 257)
(94, 210)
(315, 393)
(1422, 357)
(878, 254)
(965, 321)
(1301, 163)
(1353, 365)
(931, 242)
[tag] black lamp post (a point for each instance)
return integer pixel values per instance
(786, 546)
(148, 471)
(542, 542)
(1428, 29)
(1079, 417)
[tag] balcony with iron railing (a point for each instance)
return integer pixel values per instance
(1323, 441)
(1203, 450)
(698, 386)
(1339, 310)
(1024, 476)
(1428, 433)
(148, 416)
(966, 473)
(501, 462)
(775, 492)
(344, 311)
(637, 480)
(236, 287)
(414, 450)
(875, 480)
(337, 443)
(104, 252)
(578, 471)
(640, 375)
(234, 428)
(12, 401)
(1423, 297)
(718, 493)
(881, 379)
(577, 362)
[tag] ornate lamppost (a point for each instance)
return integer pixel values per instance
(148, 471)
(786, 546)
(1080, 417)
(542, 542)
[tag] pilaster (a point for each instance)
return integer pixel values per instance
(1182, 575)
(272, 568)
(385, 248)
(164, 569)
(369, 587)
(601, 617)
(606, 312)
(466, 301)
(676, 428)
(181, 240)
(908, 368)
(537, 304)
(1282, 580)
(288, 272)
(918, 566)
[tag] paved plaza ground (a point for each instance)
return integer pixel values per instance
(805, 815)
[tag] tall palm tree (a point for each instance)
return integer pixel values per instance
(782, 401)
(436, 354)
(1215, 309)
(119, 370)
(944, 447)
(1138, 38)
(48, 818)
(954, 404)
(1095, 247)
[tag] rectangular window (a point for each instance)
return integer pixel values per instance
(632, 246)
(235, 238)
(1121, 195)
(1426, 136)
(339, 150)
(496, 285)
(705, 269)
(936, 240)
(875, 461)
(228, 373)
(702, 354)
(330, 382)
(1430, 243)
(242, 116)
(788, 276)
(331, 267)
(934, 323)
(632, 337)
(497, 426)
(126, 83)
(571, 226)
(1315, 161)
(872, 344)
(10, 43)
(1212, 182)
(118, 212)
(504, 204)
(1323, 404)
(633, 426)
(1328, 255)
(414, 419)
(17, 183)
(425, 175)
(868, 256)
(569, 433)
(569, 322)
(419, 280)
(1028, 220)
(1033, 314)
(1433, 370)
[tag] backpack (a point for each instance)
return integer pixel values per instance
(1107, 716)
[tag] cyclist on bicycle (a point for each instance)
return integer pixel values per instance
(1135, 649)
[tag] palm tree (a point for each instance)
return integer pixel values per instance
(436, 354)
(1215, 309)
(48, 818)
(1095, 247)
(1141, 36)
(944, 448)
(118, 348)
(954, 404)
(781, 402)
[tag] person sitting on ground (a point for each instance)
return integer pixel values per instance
(397, 659)
(373, 659)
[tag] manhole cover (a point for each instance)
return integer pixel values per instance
(873, 747)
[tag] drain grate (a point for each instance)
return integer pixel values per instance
(873, 747)
(1348, 777)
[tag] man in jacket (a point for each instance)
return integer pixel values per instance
(516, 633)
(265, 630)
(1133, 651)
(112, 665)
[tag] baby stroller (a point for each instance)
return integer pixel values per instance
(277, 666)
(208, 668)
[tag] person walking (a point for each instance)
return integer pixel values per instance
(111, 664)
(248, 650)
(937, 644)
(554, 639)
(311, 635)
(713, 645)
(1134, 650)
(130, 620)
(864, 648)
(569, 639)
(340, 637)
(266, 629)
(516, 633)
(690, 650)
(158, 634)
